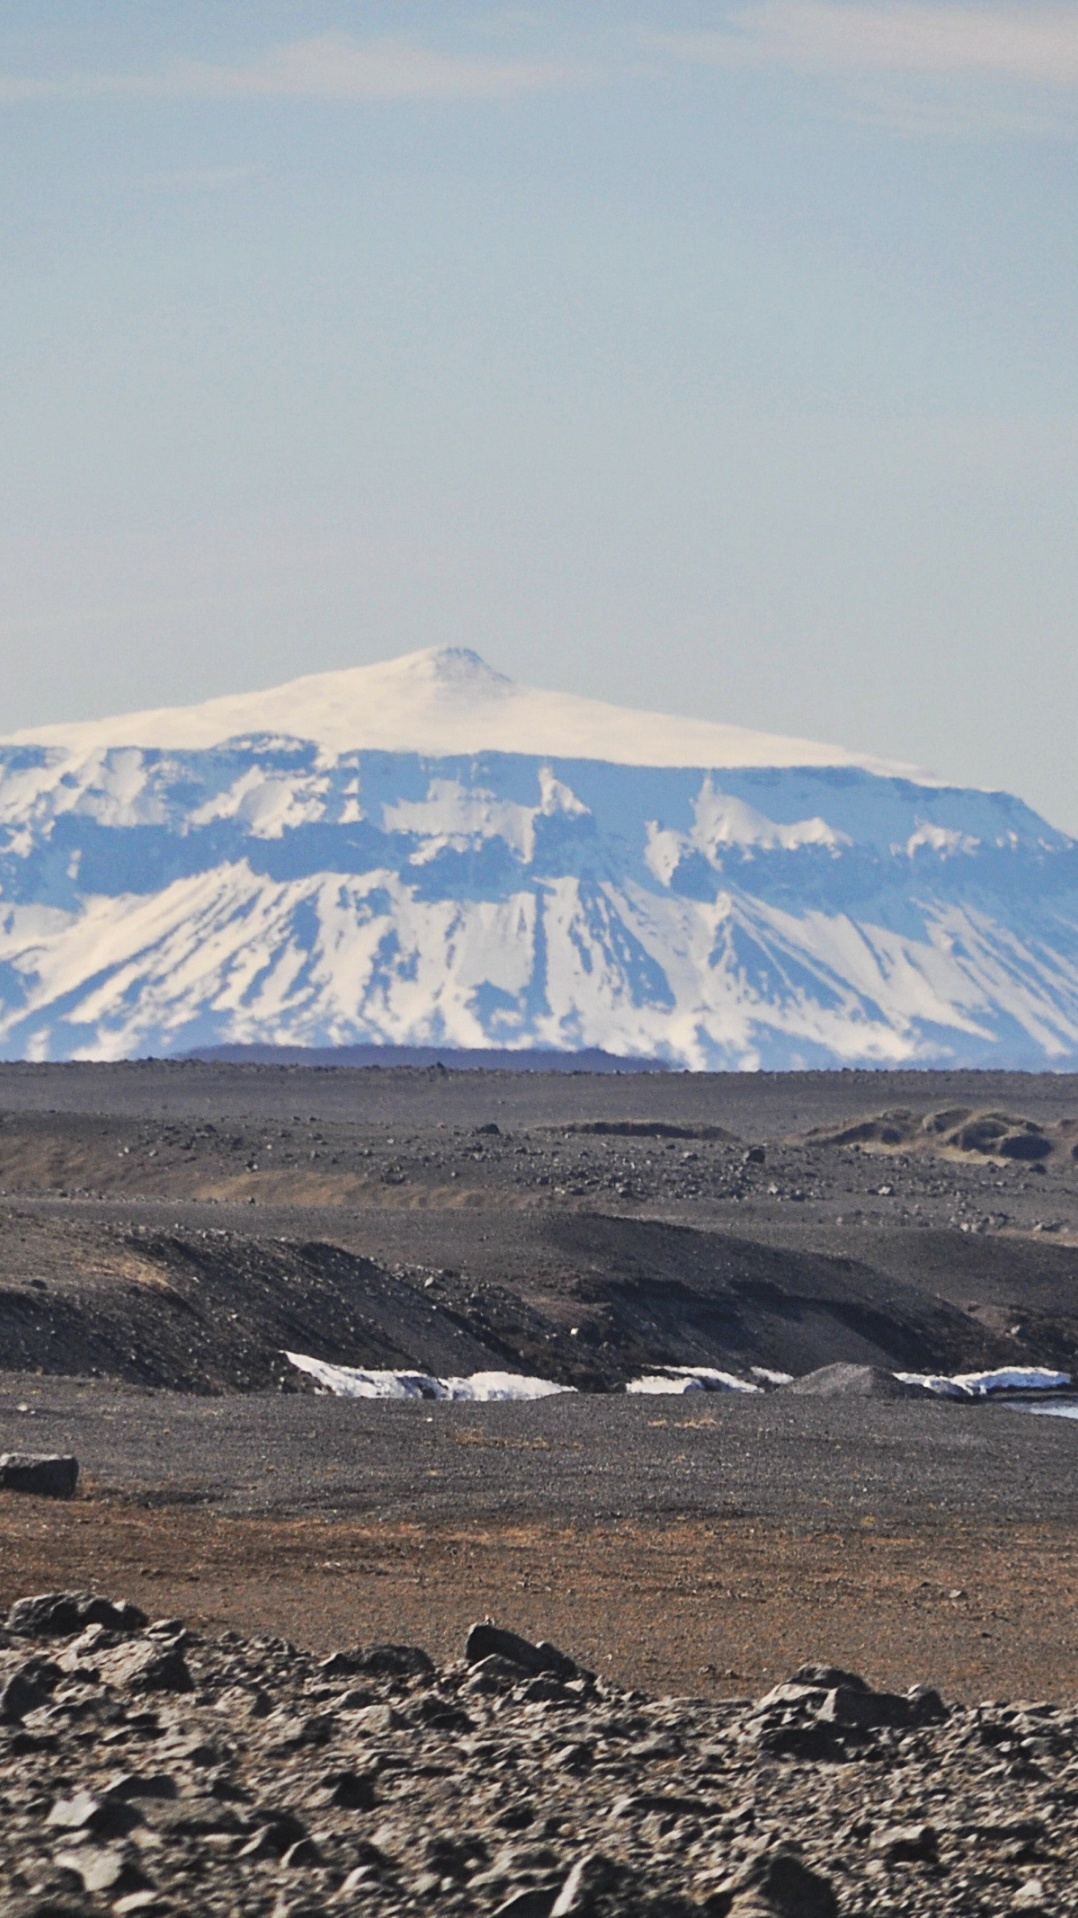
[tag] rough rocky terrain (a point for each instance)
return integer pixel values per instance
(148, 1768)
(180, 1224)
(167, 1230)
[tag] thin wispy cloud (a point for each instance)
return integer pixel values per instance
(328, 67)
(1029, 45)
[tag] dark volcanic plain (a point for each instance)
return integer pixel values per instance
(168, 1230)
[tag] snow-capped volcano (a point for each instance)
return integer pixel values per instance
(447, 700)
(423, 853)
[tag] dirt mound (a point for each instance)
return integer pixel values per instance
(954, 1129)
(853, 1381)
(648, 1292)
(209, 1312)
(586, 1299)
(881, 1128)
(651, 1129)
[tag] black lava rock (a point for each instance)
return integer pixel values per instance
(46, 1474)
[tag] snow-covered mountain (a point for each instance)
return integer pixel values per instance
(423, 853)
(446, 701)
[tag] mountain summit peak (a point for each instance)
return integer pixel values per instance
(458, 666)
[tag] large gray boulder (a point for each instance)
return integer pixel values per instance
(844, 1381)
(62, 1614)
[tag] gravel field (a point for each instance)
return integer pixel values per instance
(583, 1458)
(679, 1543)
(181, 1225)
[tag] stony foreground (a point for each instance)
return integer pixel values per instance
(146, 1769)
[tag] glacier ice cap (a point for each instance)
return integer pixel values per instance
(444, 701)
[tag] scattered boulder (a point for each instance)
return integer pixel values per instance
(778, 1884)
(828, 1677)
(380, 1661)
(146, 1667)
(377, 1719)
(488, 1640)
(537, 1901)
(351, 1790)
(824, 1712)
(128, 1785)
(845, 1381)
(105, 1870)
(29, 1686)
(494, 1674)
(907, 1844)
(275, 1834)
(60, 1614)
(600, 1887)
(102, 1817)
(45, 1474)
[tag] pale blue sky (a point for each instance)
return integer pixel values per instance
(714, 357)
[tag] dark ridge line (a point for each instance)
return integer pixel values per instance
(449, 1058)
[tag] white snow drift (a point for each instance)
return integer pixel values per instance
(359, 1382)
(678, 1379)
(983, 1385)
(356, 1382)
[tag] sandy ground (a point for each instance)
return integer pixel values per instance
(700, 1547)
(685, 1606)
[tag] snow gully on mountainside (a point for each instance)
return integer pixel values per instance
(423, 853)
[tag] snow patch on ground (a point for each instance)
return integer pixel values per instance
(357, 1382)
(677, 1379)
(982, 1385)
(362, 1382)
